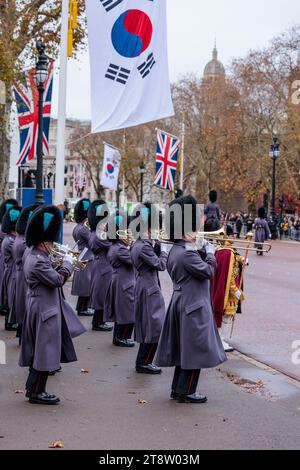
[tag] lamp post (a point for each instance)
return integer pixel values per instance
(274, 155)
(142, 171)
(41, 78)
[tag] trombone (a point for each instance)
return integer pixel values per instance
(219, 238)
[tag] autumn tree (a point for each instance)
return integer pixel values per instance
(22, 22)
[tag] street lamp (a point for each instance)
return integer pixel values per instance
(142, 171)
(274, 155)
(41, 76)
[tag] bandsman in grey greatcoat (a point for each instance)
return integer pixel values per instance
(7, 286)
(101, 270)
(19, 286)
(5, 205)
(190, 340)
(81, 286)
(50, 323)
(149, 305)
(262, 230)
(120, 295)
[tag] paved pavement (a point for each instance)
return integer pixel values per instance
(249, 407)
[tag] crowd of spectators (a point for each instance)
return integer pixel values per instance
(282, 227)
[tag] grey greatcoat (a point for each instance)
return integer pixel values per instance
(6, 286)
(149, 305)
(101, 271)
(82, 280)
(262, 231)
(190, 338)
(2, 236)
(120, 295)
(19, 285)
(50, 323)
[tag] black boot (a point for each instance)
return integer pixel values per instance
(195, 398)
(36, 389)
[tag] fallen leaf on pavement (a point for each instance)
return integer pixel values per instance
(56, 445)
(143, 402)
(85, 371)
(19, 392)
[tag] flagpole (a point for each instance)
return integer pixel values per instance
(62, 104)
(182, 155)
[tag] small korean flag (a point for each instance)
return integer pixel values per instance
(111, 167)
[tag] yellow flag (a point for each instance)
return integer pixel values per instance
(74, 9)
(70, 41)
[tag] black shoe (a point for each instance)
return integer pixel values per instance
(44, 399)
(51, 374)
(148, 369)
(174, 395)
(86, 313)
(10, 327)
(123, 343)
(196, 398)
(105, 328)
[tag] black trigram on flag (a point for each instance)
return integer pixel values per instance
(146, 66)
(118, 74)
(110, 4)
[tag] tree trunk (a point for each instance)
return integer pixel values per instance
(4, 150)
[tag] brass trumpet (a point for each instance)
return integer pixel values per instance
(58, 253)
(219, 238)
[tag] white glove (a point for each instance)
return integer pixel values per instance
(69, 259)
(238, 294)
(210, 249)
(164, 248)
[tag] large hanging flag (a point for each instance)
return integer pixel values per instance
(27, 96)
(167, 154)
(129, 63)
(111, 167)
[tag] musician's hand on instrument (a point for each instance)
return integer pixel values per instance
(164, 248)
(69, 259)
(210, 249)
(238, 294)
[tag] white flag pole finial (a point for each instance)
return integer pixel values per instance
(62, 104)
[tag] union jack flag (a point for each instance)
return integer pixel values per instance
(167, 154)
(27, 96)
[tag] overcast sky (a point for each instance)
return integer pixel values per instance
(238, 25)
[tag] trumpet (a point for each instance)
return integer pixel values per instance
(58, 253)
(126, 235)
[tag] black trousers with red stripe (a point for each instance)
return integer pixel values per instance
(146, 354)
(185, 382)
(123, 331)
(36, 382)
(82, 304)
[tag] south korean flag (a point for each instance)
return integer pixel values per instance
(129, 63)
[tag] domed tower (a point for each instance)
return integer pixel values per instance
(214, 69)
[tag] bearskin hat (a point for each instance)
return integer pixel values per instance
(10, 219)
(120, 220)
(98, 211)
(81, 210)
(24, 218)
(150, 215)
(213, 196)
(183, 215)
(7, 204)
(44, 226)
(262, 213)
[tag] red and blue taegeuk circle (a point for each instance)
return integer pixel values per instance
(132, 33)
(110, 168)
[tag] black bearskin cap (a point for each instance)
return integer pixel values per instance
(7, 204)
(26, 214)
(44, 226)
(262, 213)
(99, 206)
(213, 196)
(10, 219)
(177, 223)
(81, 210)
